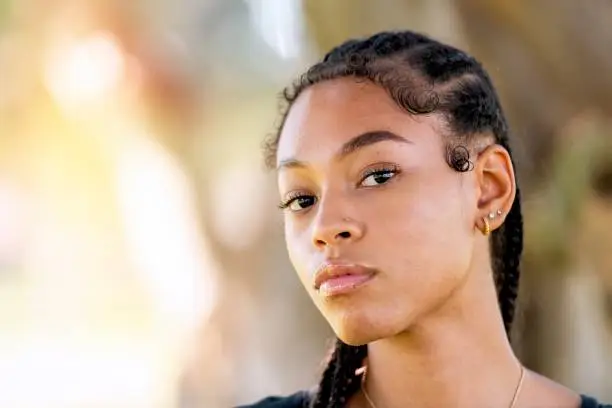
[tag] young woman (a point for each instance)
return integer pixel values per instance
(403, 222)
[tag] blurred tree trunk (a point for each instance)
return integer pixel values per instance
(549, 61)
(333, 22)
(547, 70)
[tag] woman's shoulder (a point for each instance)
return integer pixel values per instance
(590, 402)
(300, 399)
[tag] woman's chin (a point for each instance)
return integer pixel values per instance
(354, 339)
(357, 324)
(357, 332)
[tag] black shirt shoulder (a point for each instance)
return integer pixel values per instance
(590, 402)
(301, 400)
(298, 400)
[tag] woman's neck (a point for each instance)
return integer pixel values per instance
(449, 358)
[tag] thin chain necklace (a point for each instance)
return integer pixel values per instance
(517, 391)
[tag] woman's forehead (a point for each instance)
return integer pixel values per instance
(342, 98)
(328, 114)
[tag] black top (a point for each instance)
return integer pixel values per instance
(301, 400)
(297, 400)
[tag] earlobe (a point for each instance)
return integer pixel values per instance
(496, 187)
(486, 222)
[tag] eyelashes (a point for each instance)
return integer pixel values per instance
(379, 175)
(297, 201)
(373, 177)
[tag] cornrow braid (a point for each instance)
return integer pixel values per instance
(422, 76)
(338, 380)
(346, 384)
(508, 242)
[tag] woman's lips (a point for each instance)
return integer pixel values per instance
(334, 279)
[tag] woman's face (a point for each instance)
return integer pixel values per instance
(378, 227)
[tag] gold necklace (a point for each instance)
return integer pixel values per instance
(517, 391)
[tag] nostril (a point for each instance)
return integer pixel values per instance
(344, 234)
(339, 236)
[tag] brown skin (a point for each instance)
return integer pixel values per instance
(429, 315)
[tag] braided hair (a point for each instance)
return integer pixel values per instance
(422, 76)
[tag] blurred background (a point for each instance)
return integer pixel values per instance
(142, 261)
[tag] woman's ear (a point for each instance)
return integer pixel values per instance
(496, 187)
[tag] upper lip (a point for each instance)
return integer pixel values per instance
(329, 270)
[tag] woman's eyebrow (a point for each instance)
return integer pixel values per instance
(350, 146)
(367, 139)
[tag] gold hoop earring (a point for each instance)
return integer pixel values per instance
(487, 227)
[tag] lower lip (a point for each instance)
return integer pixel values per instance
(343, 284)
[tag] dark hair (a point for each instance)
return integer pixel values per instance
(423, 76)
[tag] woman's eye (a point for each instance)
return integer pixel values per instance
(378, 177)
(298, 203)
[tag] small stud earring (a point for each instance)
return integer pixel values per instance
(491, 215)
(499, 212)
